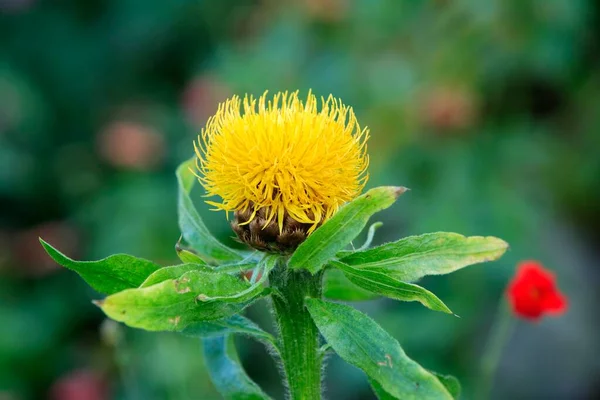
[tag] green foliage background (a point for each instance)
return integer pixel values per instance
(488, 110)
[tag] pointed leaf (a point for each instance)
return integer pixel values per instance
(360, 341)
(238, 267)
(234, 324)
(451, 383)
(192, 227)
(186, 255)
(322, 245)
(226, 372)
(249, 262)
(337, 287)
(414, 257)
(381, 394)
(173, 272)
(109, 275)
(265, 266)
(371, 235)
(384, 285)
(173, 304)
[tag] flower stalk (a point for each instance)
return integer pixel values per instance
(499, 335)
(531, 294)
(299, 337)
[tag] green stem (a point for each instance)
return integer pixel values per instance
(299, 337)
(501, 331)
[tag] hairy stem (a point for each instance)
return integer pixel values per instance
(299, 337)
(499, 335)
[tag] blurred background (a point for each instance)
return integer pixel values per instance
(489, 110)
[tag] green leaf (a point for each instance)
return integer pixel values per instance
(414, 257)
(360, 341)
(173, 272)
(381, 394)
(337, 287)
(173, 304)
(384, 285)
(265, 266)
(236, 267)
(226, 372)
(234, 324)
(192, 227)
(451, 383)
(186, 255)
(370, 235)
(322, 245)
(109, 275)
(249, 262)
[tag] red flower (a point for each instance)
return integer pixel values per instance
(533, 292)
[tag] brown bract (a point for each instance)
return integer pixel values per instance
(265, 235)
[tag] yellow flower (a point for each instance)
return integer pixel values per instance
(282, 157)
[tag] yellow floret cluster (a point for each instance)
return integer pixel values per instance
(291, 157)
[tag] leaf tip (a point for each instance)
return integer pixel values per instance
(501, 243)
(178, 248)
(98, 303)
(502, 247)
(44, 244)
(399, 190)
(51, 251)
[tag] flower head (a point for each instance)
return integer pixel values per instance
(533, 292)
(283, 165)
